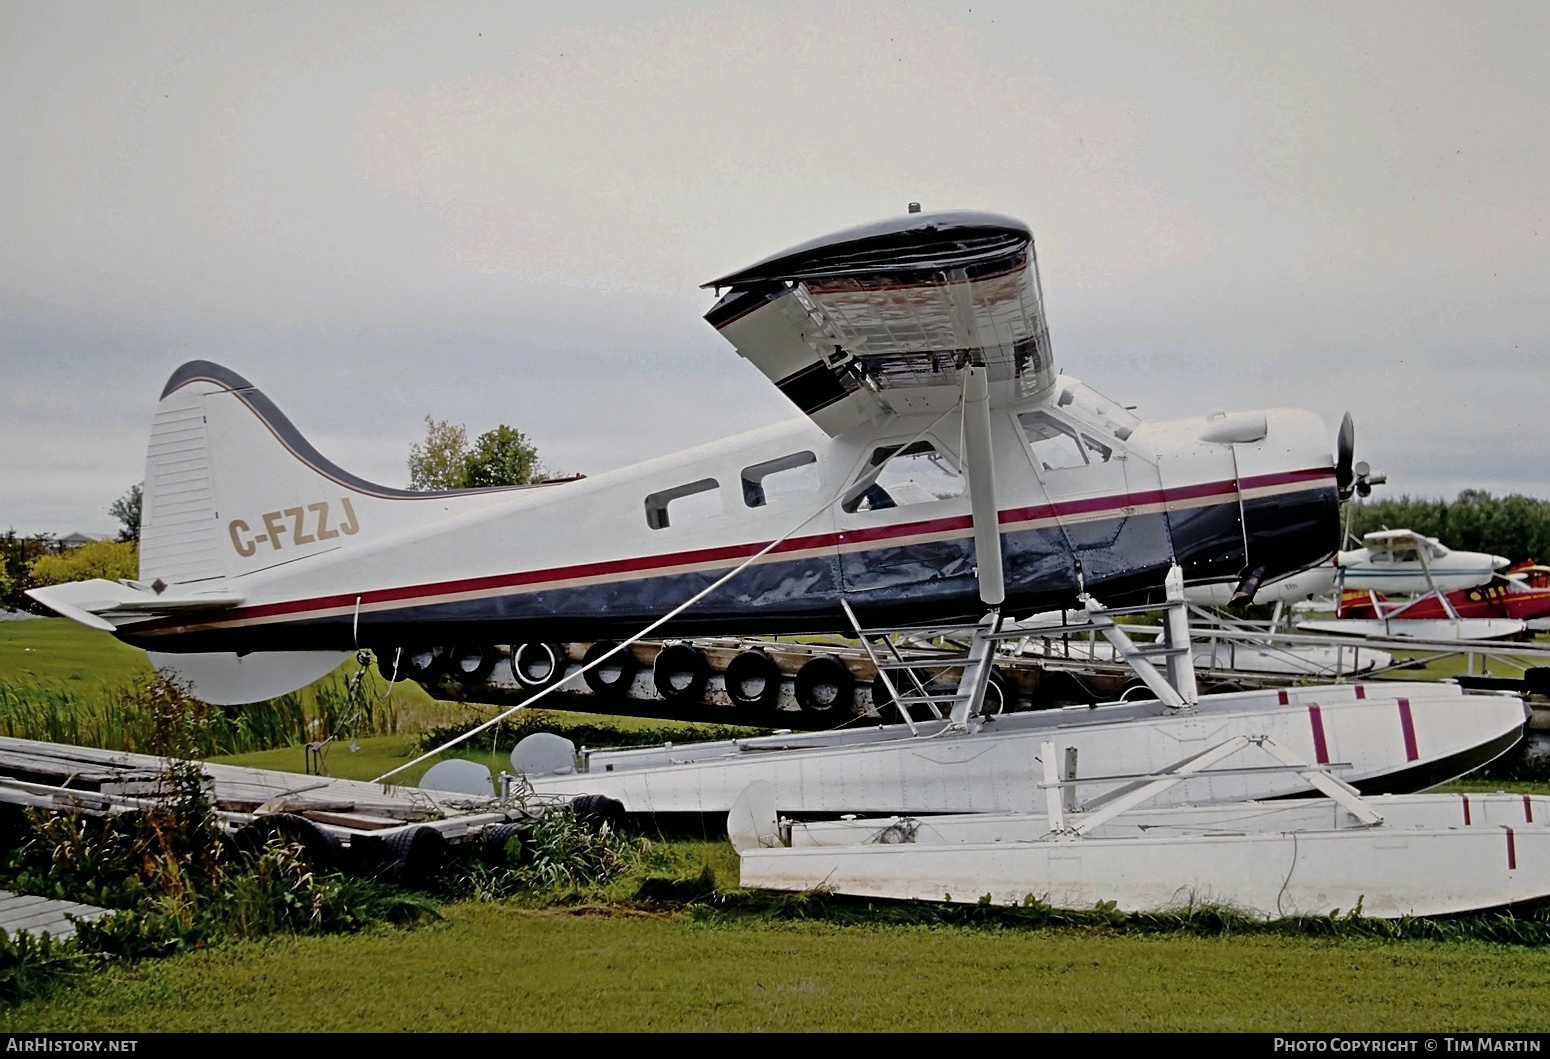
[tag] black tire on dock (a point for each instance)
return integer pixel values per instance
(595, 811)
(416, 854)
(753, 680)
(470, 666)
(537, 666)
(1000, 696)
(422, 663)
(613, 678)
(319, 849)
(825, 687)
(680, 673)
(495, 842)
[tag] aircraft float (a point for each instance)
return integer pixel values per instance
(1503, 607)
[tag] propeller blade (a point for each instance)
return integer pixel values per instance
(1345, 453)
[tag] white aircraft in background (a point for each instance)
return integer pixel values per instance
(1396, 562)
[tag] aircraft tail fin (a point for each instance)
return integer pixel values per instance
(232, 488)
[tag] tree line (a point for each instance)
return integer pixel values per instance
(1516, 527)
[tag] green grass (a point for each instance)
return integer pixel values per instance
(47, 650)
(494, 967)
(615, 959)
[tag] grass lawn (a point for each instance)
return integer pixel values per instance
(501, 967)
(619, 962)
(59, 650)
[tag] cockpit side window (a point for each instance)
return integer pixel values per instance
(1057, 445)
(901, 477)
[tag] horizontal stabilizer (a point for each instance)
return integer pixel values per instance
(93, 602)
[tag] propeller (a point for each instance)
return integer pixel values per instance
(1345, 452)
(1366, 478)
(1351, 475)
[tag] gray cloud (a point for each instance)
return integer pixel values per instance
(492, 214)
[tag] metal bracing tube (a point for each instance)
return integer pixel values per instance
(982, 485)
(1181, 664)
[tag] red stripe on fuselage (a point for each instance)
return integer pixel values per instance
(666, 564)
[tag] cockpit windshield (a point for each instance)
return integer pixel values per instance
(1084, 402)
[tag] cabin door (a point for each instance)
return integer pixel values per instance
(1105, 502)
(904, 534)
(1205, 511)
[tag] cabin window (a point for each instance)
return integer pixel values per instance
(684, 504)
(787, 478)
(1057, 446)
(900, 477)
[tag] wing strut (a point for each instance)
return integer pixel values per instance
(982, 486)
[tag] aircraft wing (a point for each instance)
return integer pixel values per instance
(1395, 537)
(881, 319)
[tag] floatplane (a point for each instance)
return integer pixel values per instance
(941, 471)
(1453, 595)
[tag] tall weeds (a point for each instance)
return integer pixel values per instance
(123, 716)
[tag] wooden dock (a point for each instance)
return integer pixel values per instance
(22, 914)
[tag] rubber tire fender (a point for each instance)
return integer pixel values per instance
(416, 854)
(319, 849)
(536, 666)
(420, 663)
(470, 666)
(825, 687)
(594, 811)
(613, 678)
(680, 673)
(753, 680)
(495, 842)
(1000, 696)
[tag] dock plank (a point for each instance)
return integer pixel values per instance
(28, 914)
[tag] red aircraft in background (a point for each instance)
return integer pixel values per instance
(1514, 602)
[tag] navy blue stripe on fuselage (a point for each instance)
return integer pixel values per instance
(929, 580)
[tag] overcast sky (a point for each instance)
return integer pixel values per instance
(501, 213)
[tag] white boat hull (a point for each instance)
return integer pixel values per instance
(1432, 855)
(1380, 737)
